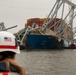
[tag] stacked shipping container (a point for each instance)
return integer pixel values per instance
(40, 21)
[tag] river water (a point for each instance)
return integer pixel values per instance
(48, 62)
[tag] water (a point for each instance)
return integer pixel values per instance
(49, 62)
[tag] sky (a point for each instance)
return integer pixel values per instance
(16, 12)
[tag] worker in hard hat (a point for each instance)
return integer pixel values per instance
(8, 50)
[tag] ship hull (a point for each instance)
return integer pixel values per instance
(42, 42)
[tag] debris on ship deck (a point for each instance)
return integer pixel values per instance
(57, 32)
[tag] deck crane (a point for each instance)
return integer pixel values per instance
(62, 27)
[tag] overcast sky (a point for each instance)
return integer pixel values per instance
(16, 12)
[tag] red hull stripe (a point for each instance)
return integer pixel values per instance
(8, 47)
(5, 73)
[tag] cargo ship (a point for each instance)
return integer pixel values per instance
(37, 40)
(50, 32)
(32, 36)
